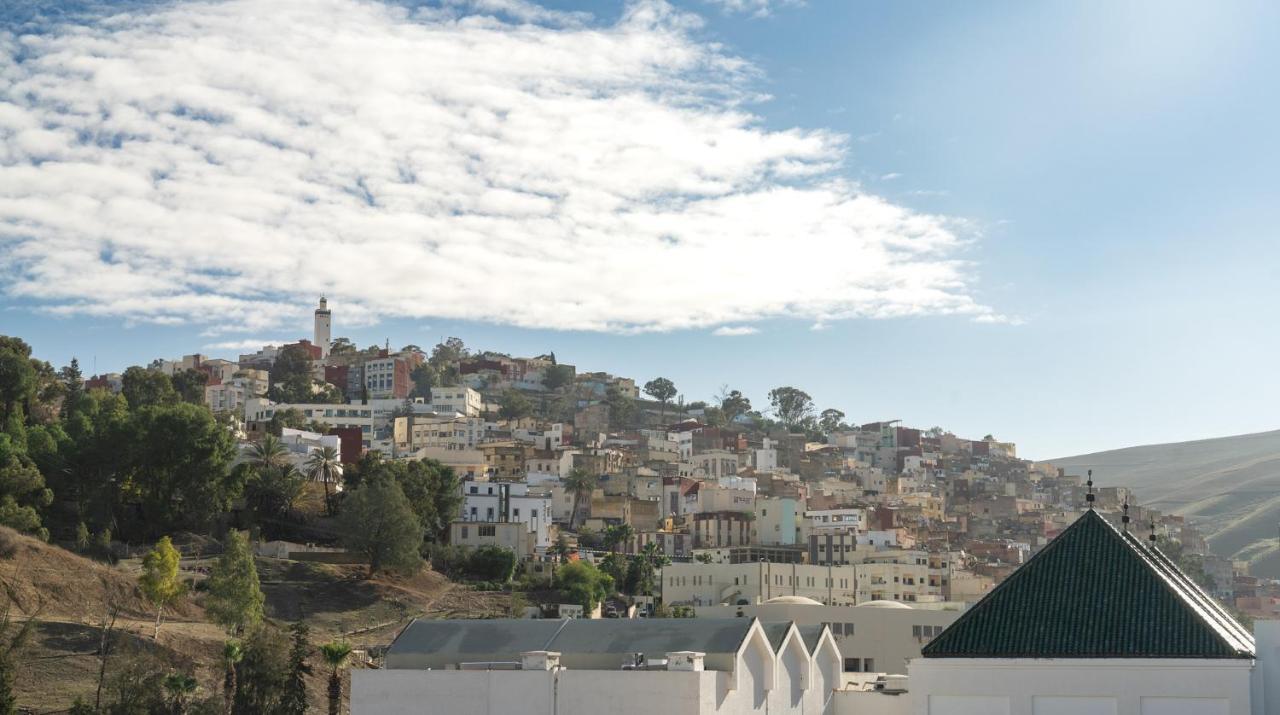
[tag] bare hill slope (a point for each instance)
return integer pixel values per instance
(1228, 486)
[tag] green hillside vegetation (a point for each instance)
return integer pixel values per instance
(1229, 487)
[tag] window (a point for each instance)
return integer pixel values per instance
(869, 665)
(916, 631)
(490, 530)
(853, 665)
(464, 532)
(848, 629)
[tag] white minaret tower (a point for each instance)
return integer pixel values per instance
(322, 327)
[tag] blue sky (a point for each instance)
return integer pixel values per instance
(1101, 176)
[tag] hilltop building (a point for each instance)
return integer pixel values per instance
(324, 325)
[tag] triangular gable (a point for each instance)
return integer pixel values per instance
(1094, 593)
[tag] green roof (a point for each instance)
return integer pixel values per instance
(1095, 592)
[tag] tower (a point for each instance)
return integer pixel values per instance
(323, 319)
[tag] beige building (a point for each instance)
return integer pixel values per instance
(514, 535)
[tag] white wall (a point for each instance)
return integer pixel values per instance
(958, 686)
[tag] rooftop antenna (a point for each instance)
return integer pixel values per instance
(1088, 496)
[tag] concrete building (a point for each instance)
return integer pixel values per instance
(778, 520)
(879, 636)
(713, 584)
(463, 400)
(585, 667)
(509, 502)
(323, 328)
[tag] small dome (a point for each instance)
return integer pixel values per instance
(794, 600)
(883, 604)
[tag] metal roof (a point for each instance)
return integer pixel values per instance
(1094, 592)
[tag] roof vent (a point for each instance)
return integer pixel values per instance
(685, 660)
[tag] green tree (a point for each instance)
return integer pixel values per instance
(143, 387)
(733, 403)
(232, 653)
(643, 568)
(830, 420)
(159, 580)
(73, 383)
(492, 563)
(515, 405)
(445, 359)
(271, 493)
(579, 482)
(431, 487)
(262, 675)
(189, 384)
(290, 417)
(557, 376)
(335, 654)
(290, 376)
(22, 489)
(181, 688)
(17, 376)
(617, 534)
(179, 467)
(268, 453)
(378, 522)
(294, 701)
(662, 390)
(235, 597)
(622, 409)
(324, 466)
(423, 378)
(14, 635)
(791, 405)
(582, 583)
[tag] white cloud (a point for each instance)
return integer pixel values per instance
(733, 331)
(756, 8)
(223, 163)
(890, 176)
(253, 344)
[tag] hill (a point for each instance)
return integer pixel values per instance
(1228, 486)
(69, 595)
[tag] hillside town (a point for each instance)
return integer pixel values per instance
(855, 545)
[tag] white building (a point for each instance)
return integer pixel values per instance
(509, 502)
(766, 458)
(714, 584)
(778, 520)
(820, 521)
(321, 336)
(586, 667)
(1097, 622)
(462, 400)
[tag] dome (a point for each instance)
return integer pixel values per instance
(794, 600)
(883, 604)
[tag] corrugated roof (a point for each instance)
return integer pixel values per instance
(507, 638)
(1094, 592)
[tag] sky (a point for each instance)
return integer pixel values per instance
(1052, 222)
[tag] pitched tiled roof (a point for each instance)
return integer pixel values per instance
(1095, 592)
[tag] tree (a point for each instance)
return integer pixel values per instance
(791, 405)
(235, 596)
(703, 558)
(431, 487)
(662, 390)
(180, 687)
(444, 361)
(515, 405)
(268, 453)
(830, 420)
(189, 384)
(579, 482)
(143, 387)
(616, 534)
(622, 409)
(342, 346)
(262, 676)
(272, 492)
(179, 467)
(232, 652)
(335, 655)
(290, 417)
(492, 563)
(294, 701)
(642, 571)
(557, 376)
(17, 376)
(423, 377)
(325, 467)
(378, 522)
(291, 375)
(584, 584)
(22, 489)
(14, 634)
(73, 382)
(159, 580)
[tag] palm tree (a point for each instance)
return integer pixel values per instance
(232, 652)
(580, 482)
(268, 453)
(324, 466)
(335, 654)
(180, 687)
(615, 535)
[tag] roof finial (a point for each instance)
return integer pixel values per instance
(1124, 518)
(1088, 495)
(1152, 537)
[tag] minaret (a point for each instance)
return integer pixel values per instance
(322, 327)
